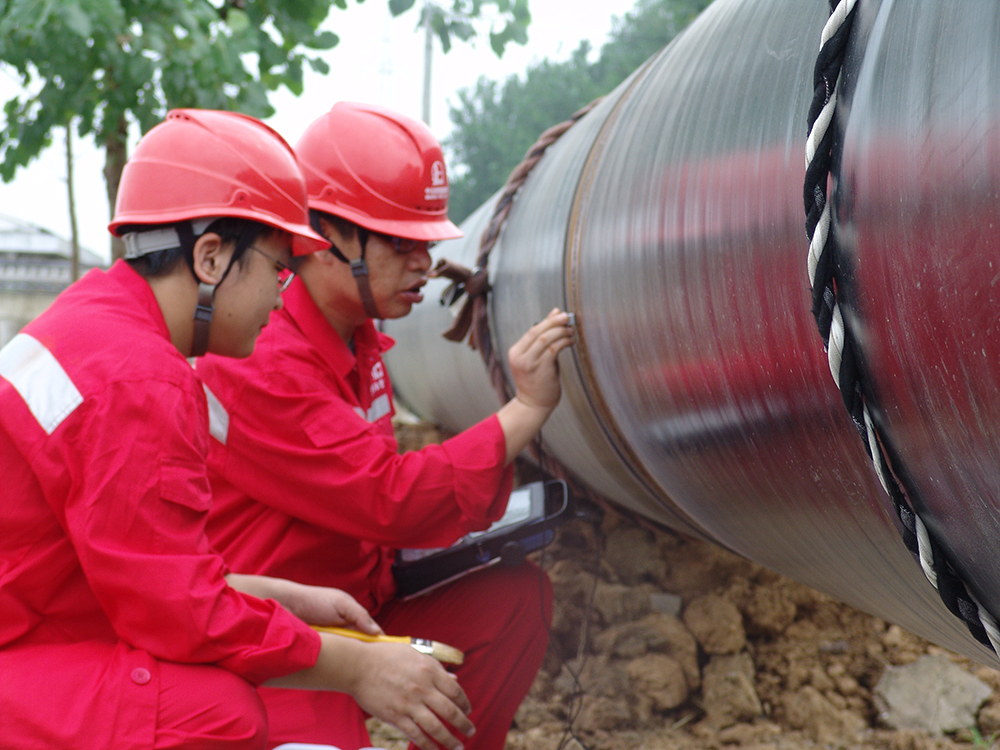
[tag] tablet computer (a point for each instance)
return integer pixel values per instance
(533, 512)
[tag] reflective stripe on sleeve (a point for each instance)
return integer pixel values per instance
(40, 379)
(218, 417)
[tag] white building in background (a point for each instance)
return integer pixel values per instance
(35, 265)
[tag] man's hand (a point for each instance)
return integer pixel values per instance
(533, 363)
(536, 376)
(315, 605)
(413, 692)
(392, 681)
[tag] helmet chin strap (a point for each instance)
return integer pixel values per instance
(206, 292)
(359, 269)
(202, 318)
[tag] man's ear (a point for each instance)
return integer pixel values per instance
(350, 248)
(211, 258)
(330, 231)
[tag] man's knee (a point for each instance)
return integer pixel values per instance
(245, 720)
(527, 587)
(208, 707)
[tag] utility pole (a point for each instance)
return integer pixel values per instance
(74, 272)
(428, 51)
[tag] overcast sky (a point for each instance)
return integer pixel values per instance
(379, 60)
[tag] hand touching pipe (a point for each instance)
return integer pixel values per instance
(535, 368)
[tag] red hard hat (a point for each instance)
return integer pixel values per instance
(205, 163)
(379, 169)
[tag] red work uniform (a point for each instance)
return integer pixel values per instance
(308, 484)
(117, 628)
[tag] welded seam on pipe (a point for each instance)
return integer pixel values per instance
(474, 319)
(581, 352)
(843, 352)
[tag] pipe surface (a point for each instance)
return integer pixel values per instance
(669, 219)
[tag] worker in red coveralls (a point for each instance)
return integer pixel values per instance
(307, 480)
(119, 626)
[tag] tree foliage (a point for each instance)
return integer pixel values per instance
(495, 125)
(510, 24)
(107, 62)
(103, 64)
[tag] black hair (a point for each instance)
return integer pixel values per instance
(346, 228)
(242, 232)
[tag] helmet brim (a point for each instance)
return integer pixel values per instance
(305, 241)
(427, 230)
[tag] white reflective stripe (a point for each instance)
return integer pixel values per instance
(218, 417)
(40, 379)
(379, 408)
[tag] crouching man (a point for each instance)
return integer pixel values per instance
(307, 480)
(120, 627)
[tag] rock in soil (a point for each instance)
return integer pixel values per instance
(931, 694)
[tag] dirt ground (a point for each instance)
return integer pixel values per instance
(664, 642)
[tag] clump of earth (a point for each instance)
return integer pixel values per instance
(660, 641)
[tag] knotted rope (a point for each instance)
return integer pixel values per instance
(843, 352)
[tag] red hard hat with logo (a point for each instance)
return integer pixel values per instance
(379, 169)
(206, 163)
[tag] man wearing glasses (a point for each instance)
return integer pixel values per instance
(307, 480)
(120, 626)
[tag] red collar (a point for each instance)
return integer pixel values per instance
(138, 288)
(369, 343)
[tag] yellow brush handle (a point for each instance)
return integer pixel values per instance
(440, 651)
(357, 634)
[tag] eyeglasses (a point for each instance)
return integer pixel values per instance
(405, 245)
(281, 267)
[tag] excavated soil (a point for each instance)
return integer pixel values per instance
(665, 642)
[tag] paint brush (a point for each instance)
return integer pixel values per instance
(440, 651)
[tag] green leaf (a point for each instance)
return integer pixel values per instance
(325, 40)
(237, 20)
(76, 20)
(463, 30)
(319, 65)
(518, 32)
(498, 42)
(397, 7)
(445, 37)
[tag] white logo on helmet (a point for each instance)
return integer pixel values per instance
(439, 182)
(437, 173)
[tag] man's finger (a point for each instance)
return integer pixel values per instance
(450, 687)
(356, 615)
(410, 728)
(537, 348)
(433, 726)
(452, 713)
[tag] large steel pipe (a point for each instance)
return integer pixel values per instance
(670, 221)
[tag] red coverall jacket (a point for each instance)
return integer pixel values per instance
(103, 436)
(307, 480)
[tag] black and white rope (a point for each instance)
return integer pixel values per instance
(844, 356)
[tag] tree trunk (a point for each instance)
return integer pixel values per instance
(116, 154)
(74, 231)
